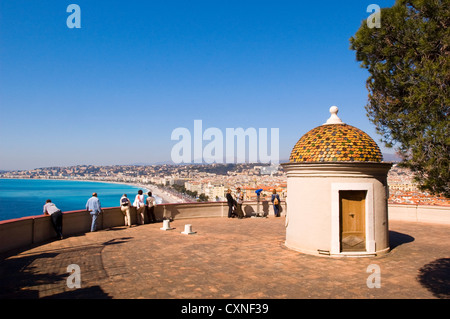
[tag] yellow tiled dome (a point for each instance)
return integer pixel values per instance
(335, 142)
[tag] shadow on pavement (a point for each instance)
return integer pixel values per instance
(435, 276)
(396, 239)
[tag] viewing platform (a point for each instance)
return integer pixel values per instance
(226, 258)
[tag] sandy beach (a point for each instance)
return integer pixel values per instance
(165, 196)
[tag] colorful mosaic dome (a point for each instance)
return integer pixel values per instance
(335, 141)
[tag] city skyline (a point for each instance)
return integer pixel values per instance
(213, 180)
(114, 90)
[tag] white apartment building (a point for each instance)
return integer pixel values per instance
(215, 191)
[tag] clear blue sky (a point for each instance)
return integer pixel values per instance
(113, 91)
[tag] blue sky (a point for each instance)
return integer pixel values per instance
(112, 91)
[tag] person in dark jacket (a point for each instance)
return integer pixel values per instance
(231, 204)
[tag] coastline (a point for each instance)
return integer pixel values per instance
(164, 195)
(166, 198)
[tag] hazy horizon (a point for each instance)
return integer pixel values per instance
(387, 157)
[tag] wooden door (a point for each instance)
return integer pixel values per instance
(352, 219)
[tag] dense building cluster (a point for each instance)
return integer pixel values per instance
(213, 180)
(403, 190)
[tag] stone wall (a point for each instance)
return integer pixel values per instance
(22, 232)
(420, 213)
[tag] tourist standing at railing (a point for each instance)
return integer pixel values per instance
(140, 207)
(231, 203)
(94, 207)
(151, 203)
(55, 216)
(276, 203)
(239, 202)
(125, 207)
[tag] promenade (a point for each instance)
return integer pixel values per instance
(225, 259)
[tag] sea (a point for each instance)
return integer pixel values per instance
(26, 197)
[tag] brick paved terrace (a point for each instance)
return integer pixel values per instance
(225, 259)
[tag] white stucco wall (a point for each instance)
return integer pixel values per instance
(313, 205)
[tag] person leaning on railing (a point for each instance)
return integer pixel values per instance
(55, 215)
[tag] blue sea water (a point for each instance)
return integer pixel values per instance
(26, 197)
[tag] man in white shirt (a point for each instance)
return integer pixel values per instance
(55, 216)
(94, 207)
(239, 202)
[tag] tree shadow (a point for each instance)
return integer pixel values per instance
(15, 277)
(20, 275)
(396, 239)
(435, 276)
(94, 292)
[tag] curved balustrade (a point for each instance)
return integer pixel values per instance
(21, 232)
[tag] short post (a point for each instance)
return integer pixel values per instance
(166, 225)
(188, 230)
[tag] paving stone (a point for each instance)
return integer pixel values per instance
(226, 258)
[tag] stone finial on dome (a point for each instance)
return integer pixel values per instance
(334, 119)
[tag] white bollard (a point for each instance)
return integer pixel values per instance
(188, 230)
(166, 225)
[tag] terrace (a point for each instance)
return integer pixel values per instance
(225, 259)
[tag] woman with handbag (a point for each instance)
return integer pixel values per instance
(276, 203)
(140, 207)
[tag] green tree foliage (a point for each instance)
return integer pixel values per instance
(203, 198)
(409, 65)
(181, 189)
